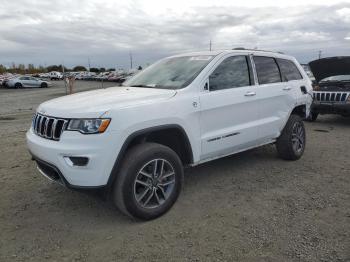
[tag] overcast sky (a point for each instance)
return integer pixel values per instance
(52, 32)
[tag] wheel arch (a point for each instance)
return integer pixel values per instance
(299, 110)
(157, 134)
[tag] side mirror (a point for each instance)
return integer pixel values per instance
(206, 86)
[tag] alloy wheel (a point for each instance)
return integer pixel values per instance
(298, 137)
(154, 183)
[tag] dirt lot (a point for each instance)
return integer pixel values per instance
(248, 207)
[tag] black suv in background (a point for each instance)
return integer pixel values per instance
(332, 86)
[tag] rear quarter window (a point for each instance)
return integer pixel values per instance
(267, 70)
(289, 70)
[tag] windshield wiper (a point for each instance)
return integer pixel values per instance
(155, 86)
(143, 86)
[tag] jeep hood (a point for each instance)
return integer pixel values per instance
(95, 103)
(330, 66)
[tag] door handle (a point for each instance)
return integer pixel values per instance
(287, 88)
(250, 94)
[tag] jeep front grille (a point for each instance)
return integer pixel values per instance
(48, 127)
(331, 96)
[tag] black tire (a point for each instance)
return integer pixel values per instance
(312, 117)
(43, 85)
(125, 186)
(18, 85)
(287, 144)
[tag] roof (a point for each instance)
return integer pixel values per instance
(236, 51)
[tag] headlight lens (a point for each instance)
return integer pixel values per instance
(89, 126)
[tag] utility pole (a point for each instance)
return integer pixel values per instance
(210, 45)
(319, 54)
(130, 54)
(89, 63)
(64, 78)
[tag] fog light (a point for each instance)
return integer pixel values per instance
(76, 160)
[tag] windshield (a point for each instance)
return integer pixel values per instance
(170, 73)
(336, 78)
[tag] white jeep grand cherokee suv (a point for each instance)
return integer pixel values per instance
(183, 110)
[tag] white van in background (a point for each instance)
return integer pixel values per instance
(54, 75)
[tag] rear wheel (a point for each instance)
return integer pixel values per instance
(291, 144)
(18, 85)
(149, 181)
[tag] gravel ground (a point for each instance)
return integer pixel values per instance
(249, 207)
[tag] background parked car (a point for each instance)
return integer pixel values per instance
(6, 77)
(332, 86)
(27, 81)
(55, 75)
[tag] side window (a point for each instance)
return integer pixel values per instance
(267, 70)
(232, 72)
(22, 78)
(289, 71)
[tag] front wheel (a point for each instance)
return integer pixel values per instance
(43, 85)
(18, 85)
(149, 181)
(291, 143)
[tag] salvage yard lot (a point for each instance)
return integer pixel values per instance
(249, 207)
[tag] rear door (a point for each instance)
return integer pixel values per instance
(294, 79)
(228, 117)
(276, 98)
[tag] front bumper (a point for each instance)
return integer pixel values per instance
(331, 108)
(50, 155)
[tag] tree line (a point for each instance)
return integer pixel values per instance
(31, 69)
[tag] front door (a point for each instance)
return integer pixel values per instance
(229, 116)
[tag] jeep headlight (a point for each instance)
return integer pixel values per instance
(89, 126)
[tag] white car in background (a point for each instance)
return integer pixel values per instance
(27, 81)
(54, 75)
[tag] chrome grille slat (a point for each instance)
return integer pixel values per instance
(331, 96)
(37, 124)
(53, 128)
(46, 126)
(41, 125)
(43, 128)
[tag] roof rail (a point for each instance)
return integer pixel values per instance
(249, 49)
